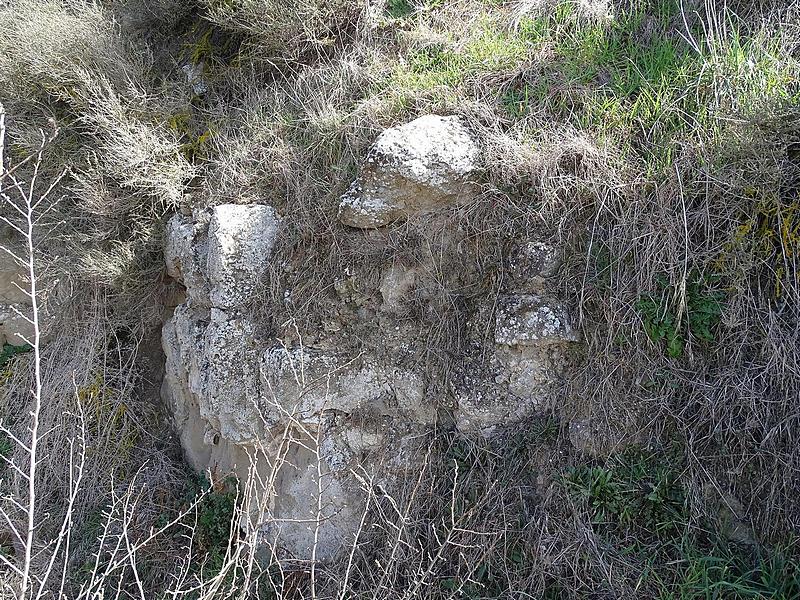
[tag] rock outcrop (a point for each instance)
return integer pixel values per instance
(241, 402)
(532, 333)
(314, 423)
(420, 166)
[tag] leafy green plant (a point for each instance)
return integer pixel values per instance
(10, 352)
(399, 8)
(704, 308)
(703, 313)
(599, 490)
(637, 491)
(214, 520)
(661, 325)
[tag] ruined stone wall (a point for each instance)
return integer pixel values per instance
(314, 421)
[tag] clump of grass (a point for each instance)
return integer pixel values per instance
(735, 574)
(9, 352)
(399, 8)
(68, 63)
(284, 30)
(638, 502)
(640, 492)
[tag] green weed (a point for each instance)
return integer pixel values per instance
(212, 529)
(9, 352)
(637, 502)
(214, 521)
(399, 8)
(637, 492)
(703, 311)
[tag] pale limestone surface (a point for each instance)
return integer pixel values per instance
(292, 413)
(532, 336)
(240, 239)
(416, 167)
(396, 286)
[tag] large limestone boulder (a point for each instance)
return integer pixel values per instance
(417, 167)
(533, 334)
(240, 240)
(211, 370)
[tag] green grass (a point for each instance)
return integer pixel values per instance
(489, 49)
(637, 503)
(399, 8)
(637, 492)
(634, 82)
(725, 572)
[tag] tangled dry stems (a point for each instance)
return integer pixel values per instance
(298, 111)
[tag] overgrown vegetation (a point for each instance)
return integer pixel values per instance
(656, 140)
(9, 352)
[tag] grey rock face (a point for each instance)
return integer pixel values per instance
(530, 263)
(15, 303)
(417, 167)
(532, 335)
(300, 419)
(240, 240)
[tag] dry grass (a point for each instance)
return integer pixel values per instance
(658, 147)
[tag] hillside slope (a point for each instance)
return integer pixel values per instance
(639, 158)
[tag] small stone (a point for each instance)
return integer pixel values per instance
(530, 263)
(584, 437)
(14, 327)
(530, 320)
(396, 287)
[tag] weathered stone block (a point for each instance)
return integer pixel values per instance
(417, 167)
